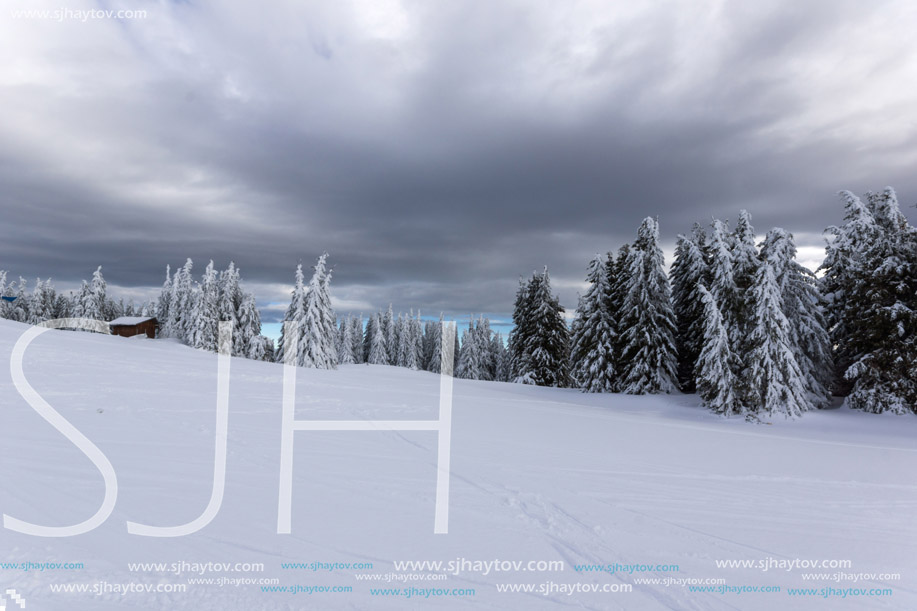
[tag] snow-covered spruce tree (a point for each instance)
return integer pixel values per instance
(295, 313)
(18, 309)
(230, 304)
(774, 382)
(62, 307)
(400, 338)
(388, 335)
(456, 351)
(714, 378)
(356, 338)
(40, 304)
(205, 313)
(92, 299)
(49, 301)
(648, 321)
(689, 271)
(469, 366)
(428, 341)
(488, 349)
(316, 343)
(504, 371)
(378, 354)
(593, 338)
(367, 336)
(803, 308)
(882, 338)
(345, 345)
(745, 263)
(720, 279)
(266, 350)
(248, 321)
(434, 361)
(163, 304)
(417, 340)
(617, 271)
(33, 304)
(476, 360)
(548, 346)
(182, 303)
(520, 336)
(843, 283)
(98, 288)
(4, 304)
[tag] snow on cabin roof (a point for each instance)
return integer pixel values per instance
(129, 320)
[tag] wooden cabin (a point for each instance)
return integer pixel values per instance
(129, 326)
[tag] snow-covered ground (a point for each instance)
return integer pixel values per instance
(537, 475)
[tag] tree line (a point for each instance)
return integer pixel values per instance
(741, 323)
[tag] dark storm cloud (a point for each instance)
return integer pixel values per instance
(437, 150)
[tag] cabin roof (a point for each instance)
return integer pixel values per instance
(128, 321)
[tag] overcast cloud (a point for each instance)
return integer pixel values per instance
(437, 150)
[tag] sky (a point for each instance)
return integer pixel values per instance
(437, 150)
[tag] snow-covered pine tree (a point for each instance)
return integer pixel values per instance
(262, 349)
(617, 272)
(249, 322)
(181, 303)
(720, 279)
(398, 338)
(85, 303)
(397, 326)
(229, 305)
(356, 338)
(92, 300)
(62, 307)
(163, 305)
(41, 302)
(548, 346)
(689, 271)
(345, 345)
(33, 304)
(842, 283)
(48, 301)
(520, 336)
(498, 358)
(417, 341)
(4, 304)
(648, 322)
(456, 351)
(434, 359)
(205, 312)
(484, 338)
(378, 353)
(884, 335)
(294, 313)
(715, 381)
(802, 306)
(469, 359)
(256, 349)
(19, 310)
(367, 336)
(407, 346)
(428, 332)
(316, 348)
(593, 338)
(504, 364)
(475, 357)
(774, 382)
(745, 263)
(388, 335)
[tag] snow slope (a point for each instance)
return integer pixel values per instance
(537, 474)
